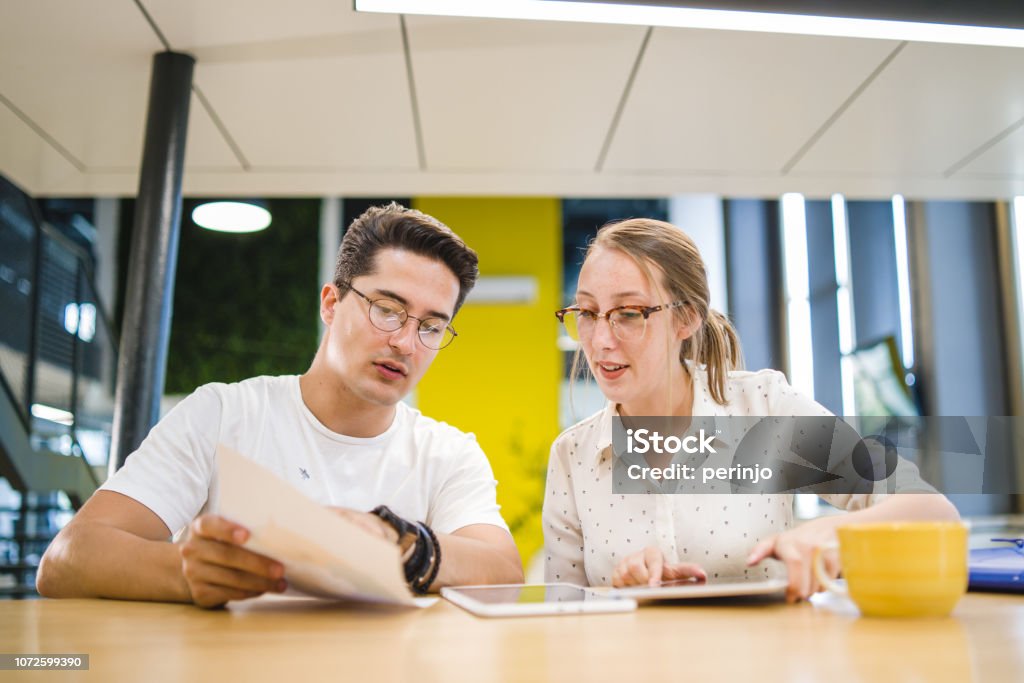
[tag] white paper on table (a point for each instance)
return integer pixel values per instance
(323, 554)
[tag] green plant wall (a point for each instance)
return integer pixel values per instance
(244, 304)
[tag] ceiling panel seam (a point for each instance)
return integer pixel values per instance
(152, 24)
(49, 139)
(200, 95)
(421, 150)
(984, 147)
(235, 148)
(817, 135)
(617, 116)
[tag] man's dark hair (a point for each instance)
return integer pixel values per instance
(396, 227)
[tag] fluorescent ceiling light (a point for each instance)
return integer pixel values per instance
(688, 17)
(45, 412)
(899, 224)
(231, 216)
(844, 304)
(504, 289)
(798, 305)
(566, 343)
(80, 320)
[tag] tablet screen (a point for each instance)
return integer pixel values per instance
(728, 586)
(525, 595)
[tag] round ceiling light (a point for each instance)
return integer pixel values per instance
(231, 216)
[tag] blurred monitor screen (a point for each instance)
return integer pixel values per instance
(879, 380)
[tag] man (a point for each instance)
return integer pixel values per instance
(340, 433)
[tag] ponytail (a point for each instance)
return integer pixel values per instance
(716, 346)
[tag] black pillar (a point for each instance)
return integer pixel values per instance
(146, 329)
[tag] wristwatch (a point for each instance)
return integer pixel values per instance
(407, 531)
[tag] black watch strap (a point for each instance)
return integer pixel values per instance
(408, 534)
(421, 551)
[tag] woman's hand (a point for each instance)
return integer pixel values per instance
(795, 548)
(648, 567)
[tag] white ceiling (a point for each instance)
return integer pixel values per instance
(309, 97)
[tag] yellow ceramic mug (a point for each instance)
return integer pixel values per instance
(900, 569)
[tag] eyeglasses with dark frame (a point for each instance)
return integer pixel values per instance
(628, 323)
(388, 315)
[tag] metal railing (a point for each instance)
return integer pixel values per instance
(58, 364)
(58, 351)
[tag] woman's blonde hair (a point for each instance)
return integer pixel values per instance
(657, 246)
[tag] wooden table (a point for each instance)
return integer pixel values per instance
(825, 641)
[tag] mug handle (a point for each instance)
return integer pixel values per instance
(818, 563)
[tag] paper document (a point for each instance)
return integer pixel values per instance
(323, 554)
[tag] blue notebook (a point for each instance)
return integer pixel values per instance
(998, 569)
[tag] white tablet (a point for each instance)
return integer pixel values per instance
(722, 587)
(519, 600)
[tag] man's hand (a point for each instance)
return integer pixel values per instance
(648, 567)
(218, 569)
(796, 549)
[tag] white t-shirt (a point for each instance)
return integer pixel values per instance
(588, 530)
(422, 469)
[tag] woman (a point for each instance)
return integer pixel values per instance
(656, 349)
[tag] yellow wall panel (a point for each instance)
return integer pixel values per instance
(500, 378)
